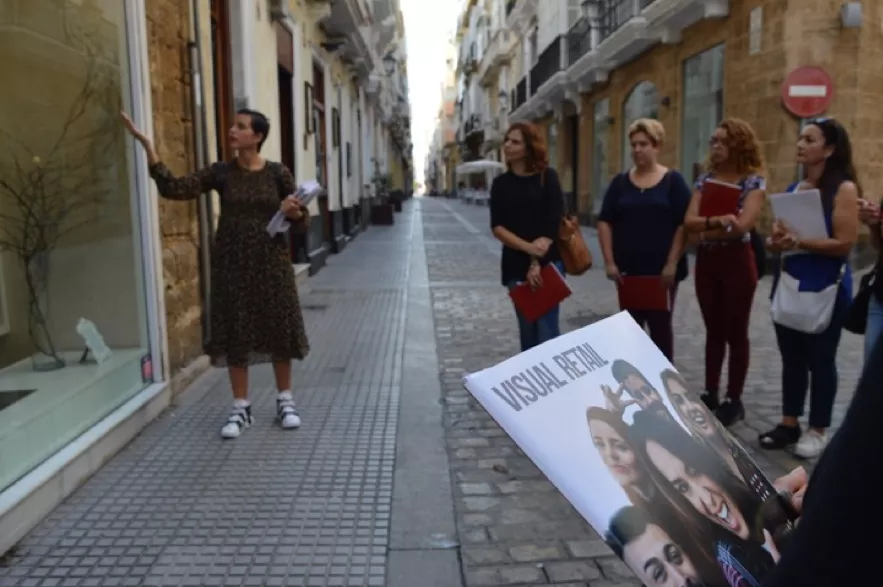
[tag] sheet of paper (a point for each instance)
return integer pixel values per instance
(307, 191)
(802, 212)
(278, 224)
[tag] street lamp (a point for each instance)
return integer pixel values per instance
(389, 62)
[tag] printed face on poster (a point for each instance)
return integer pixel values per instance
(614, 426)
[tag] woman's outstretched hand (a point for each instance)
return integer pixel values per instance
(133, 130)
(152, 156)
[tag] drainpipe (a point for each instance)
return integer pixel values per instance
(200, 142)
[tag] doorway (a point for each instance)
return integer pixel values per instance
(222, 71)
(285, 74)
(321, 151)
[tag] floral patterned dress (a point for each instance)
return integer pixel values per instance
(255, 311)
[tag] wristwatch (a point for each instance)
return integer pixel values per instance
(708, 223)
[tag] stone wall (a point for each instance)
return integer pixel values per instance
(167, 33)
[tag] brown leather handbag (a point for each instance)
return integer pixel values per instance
(572, 246)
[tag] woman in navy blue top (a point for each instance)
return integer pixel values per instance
(809, 360)
(640, 227)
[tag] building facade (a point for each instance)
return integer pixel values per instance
(584, 70)
(104, 287)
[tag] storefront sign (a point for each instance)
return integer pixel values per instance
(807, 91)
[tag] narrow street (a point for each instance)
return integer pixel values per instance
(397, 477)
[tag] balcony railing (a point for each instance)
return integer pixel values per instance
(579, 40)
(547, 65)
(613, 14)
(509, 6)
(520, 93)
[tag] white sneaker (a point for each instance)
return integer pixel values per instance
(240, 417)
(286, 411)
(811, 444)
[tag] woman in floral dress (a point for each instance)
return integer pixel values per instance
(256, 316)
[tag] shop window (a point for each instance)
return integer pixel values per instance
(642, 102)
(552, 140)
(70, 248)
(703, 106)
(600, 139)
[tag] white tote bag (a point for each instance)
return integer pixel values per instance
(804, 311)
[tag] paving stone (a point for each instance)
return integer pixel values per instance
(503, 575)
(536, 552)
(572, 571)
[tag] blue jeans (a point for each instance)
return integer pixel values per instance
(810, 361)
(546, 328)
(875, 325)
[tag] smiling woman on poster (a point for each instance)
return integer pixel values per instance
(738, 519)
(705, 429)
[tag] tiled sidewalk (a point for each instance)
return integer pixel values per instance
(311, 507)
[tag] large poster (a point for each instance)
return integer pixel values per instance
(613, 425)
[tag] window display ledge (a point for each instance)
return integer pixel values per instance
(25, 503)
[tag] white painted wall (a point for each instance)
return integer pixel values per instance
(554, 18)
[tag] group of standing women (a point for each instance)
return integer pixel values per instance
(650, 216)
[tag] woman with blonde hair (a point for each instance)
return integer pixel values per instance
(726, 267)
(640, 227)
(527, 205)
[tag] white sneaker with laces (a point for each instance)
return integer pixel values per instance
(240, 417)
(811, 444)
(286, 411)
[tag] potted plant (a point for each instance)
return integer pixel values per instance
(381, 207)
(50, 186)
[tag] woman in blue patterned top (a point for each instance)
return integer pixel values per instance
(726, 269)
(809, 359)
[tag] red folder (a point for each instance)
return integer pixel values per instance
(536, 303)
(719, 198)
(643, 292)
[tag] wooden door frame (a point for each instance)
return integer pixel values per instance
(222, 73)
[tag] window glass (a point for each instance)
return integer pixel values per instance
(702, 106)
(600, 138)
(642, 102)
(70, 250)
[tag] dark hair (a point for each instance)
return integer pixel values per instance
(536, 152)
(701, 458)
(630, 522)
(839, 166)
(622, 369)
(260, 124)
(625, 526)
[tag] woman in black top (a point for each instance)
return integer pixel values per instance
(640, 227)
(526, 208)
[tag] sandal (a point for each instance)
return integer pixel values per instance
(779, 437)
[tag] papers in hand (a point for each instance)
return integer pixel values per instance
(307, 191)
(304, 194)
(801, 212)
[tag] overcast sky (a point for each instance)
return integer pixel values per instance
(428, 27)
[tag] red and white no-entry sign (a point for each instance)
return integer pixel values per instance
(807, 91)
